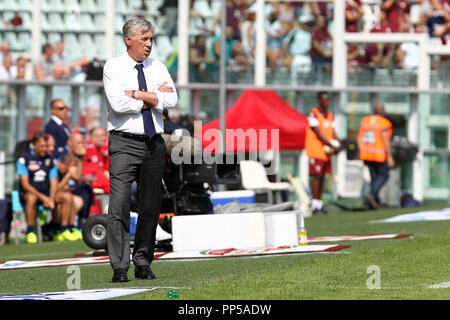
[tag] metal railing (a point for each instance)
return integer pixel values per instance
(192, 104)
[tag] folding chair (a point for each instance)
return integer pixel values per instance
(303, 199)
(254, 177)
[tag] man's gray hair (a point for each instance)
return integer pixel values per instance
(134, 25)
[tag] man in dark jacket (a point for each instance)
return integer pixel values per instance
(56, 127)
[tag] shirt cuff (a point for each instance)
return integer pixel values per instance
(160, 105)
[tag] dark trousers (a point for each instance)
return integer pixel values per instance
(379, 174)
(143, 161)
(83, 190)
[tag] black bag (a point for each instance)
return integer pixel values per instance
(403, 149)
(95, 70)
(407, 201)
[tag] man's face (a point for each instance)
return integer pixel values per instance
(5, 48)
(324, 101)
(40, 148)
(60, 110)
(48, 53)
(76, 143)
(140, 46)
(98, 137)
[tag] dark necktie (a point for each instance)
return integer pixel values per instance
(149, 126)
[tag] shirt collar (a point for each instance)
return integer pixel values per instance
(132, 64)
(57, 120)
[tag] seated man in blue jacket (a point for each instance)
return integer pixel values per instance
(38, 181)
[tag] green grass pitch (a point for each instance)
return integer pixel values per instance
(407, 267)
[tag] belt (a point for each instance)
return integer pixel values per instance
(139, 137)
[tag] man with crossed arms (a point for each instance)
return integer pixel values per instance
(138, 89)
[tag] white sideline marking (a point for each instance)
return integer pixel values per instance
(442, 285)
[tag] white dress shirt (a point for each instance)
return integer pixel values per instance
(124, 113)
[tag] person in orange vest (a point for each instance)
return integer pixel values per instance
(375, 150)
(321, 143)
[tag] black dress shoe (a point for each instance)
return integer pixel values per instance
(120, 275)
(143, 272)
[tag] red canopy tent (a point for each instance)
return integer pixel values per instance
(255, 115)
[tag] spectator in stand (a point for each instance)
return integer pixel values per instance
(322, 42)
(215, 47)
(248, 33)
(286, 12)
(239, 60)
(372, 58)
(274, 40)
(384, 24)
(407, 54)
(397, 11)
(45, 64)
(7, 70)
(21, 66)
(200, 59)
(58, 53)
(353, 59)
(438, 17)
(353, 14)
(297, 47)
(56, 127)
(67, 69)
(38, 179)
(235, 16)
(60, 72)
(321, 8)
(444, 33)
(378, 54)
(80, 69)
(96, 159)
(5, 50)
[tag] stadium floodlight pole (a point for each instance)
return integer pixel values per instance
(183, 42)
(222, 77)
(339, 46)
(339, 76)
(260, 54)
(110, 11)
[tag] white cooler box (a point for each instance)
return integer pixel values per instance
(234, 230)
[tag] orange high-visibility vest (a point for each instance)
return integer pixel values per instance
(371, 137)
(313, 145)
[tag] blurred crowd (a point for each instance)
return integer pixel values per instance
(51, 65)
(299, 38)
(299, 34)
